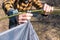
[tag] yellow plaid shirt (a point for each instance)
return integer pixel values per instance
(21, 6)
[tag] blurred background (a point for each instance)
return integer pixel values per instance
(47, 27)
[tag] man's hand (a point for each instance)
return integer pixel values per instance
(24, 17)
(47, 9)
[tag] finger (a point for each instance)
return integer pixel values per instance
(29, 14)
(48, 9)
(22, 21)
(22, 15)
(26, 15)
(24, 18)
(52, 8)
(45, 7)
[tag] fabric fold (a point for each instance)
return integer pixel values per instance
(21, 32)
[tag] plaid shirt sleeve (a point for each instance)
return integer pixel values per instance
(8, 4)
(37, 4)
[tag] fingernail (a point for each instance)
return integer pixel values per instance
(29, 14)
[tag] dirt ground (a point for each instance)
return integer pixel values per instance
(47, 27)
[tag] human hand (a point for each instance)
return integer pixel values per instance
(24, 17)
(47, 9)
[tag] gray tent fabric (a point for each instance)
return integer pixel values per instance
(21, 32)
